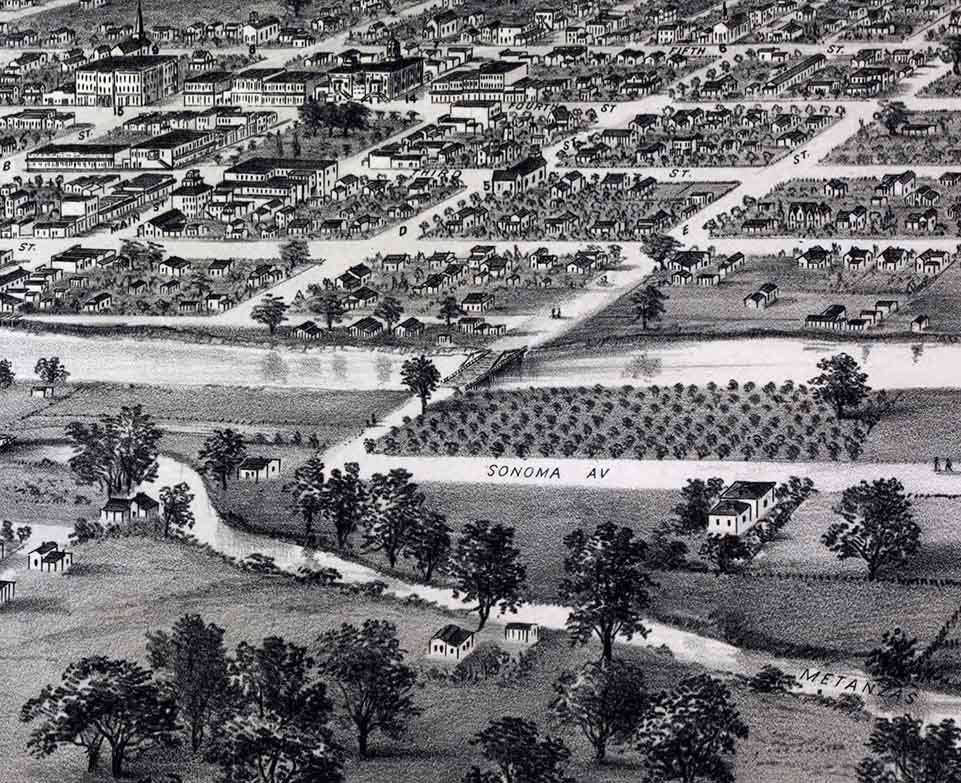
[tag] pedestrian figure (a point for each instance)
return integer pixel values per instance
(937, 465)
(947, 465)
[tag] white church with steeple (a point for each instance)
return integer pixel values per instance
(138, 44)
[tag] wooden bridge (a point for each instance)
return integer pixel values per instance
(484, 367)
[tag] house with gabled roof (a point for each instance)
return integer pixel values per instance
(740, 507)
(258, 469)
(48, 557)
(451, 642)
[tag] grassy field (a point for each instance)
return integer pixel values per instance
(920, 425)
(120, 589)
(268, 406)
(846, 619)
(720, 310)
(842, 620)
(874, 145)
(43, 493)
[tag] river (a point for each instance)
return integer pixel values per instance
(890, 365)
(170, 362)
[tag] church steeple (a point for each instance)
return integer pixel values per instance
(141, 33)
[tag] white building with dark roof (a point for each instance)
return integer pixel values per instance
(451, 641)
(740, 507)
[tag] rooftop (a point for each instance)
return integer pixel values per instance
(748, 490)
(453, 634)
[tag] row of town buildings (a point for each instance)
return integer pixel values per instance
(176, 139)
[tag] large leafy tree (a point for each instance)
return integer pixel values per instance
(222, 453)
(421, 376)
(389, 310)
(605, 702)
(606, 585)
(176, 504)
(294, 253)
(697, 498)
(647, 305)
(394, 513)
(103, 702)
(192, 660)
(660, 246)
(354, 116)
(878, 526)
(892, 115)
(487, 570)
(690, 731)
(841, 384)
(330, 305)
(51, 370)
(307, 493)
(271, 311)
(366, 667)
(117, 452)
(316, 115)
(449, 309)
(7, 375)
(905, 750)
(429, 545)
(345, 501)
(519, 754)
(278, 728)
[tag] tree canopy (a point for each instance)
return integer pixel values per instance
(519, 754)
(366, 668)
(606, 585)
(117, 452)
(690, 731)
(271, 311)
(486, 569)
(605, 702)
(905, 750)
(841, 384)
(192, 660)
(103, 702)
(878, 526)
(222, 453)
(421, 376)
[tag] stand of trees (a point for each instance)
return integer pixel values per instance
(265, 713)
(117, 452)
